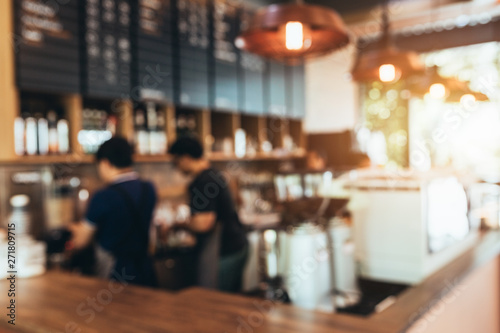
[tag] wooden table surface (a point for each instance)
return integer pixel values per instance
(59, 302)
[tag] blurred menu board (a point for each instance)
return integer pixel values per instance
(46, 46)
(153, 50)
(296, 91)
(107, 49)
(252, 70)
(193, 52)
(276, 88)
(225, 54)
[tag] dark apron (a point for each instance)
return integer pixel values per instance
(208, 258)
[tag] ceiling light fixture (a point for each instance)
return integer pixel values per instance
(292, 32)
(449, 89)
(385, 62)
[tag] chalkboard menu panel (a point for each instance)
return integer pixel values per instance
(225, 15)
(46, 45)
(276, 88)
(107, 51)
(252, 75)
(193, 53)
(153, 50)
(296, 91)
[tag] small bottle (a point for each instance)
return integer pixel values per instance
(152, 127)
(161, 134)
(19, 132)
(20, 217)
(240, 143)
(111, 125)
(31, 136)
(141, 134)
(43, 136)
(53, 138)
(63, 136)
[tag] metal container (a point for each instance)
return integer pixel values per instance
(304, 265)
(344, 282)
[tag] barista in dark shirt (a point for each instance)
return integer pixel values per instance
(119, 217)
(212, 205)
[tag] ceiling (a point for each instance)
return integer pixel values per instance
(342, 6)
(359, 10)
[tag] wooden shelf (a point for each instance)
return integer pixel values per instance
(88, 159)
(152, 158)
(221, 157)
(49, 159)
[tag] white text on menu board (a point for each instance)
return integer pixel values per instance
(107, 50)
(150, 14)
(224, 43)
(38, 18)
(250, 61)
(193, 22)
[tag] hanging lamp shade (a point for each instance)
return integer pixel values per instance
(291, 32)
(385, 62)
(450, 89)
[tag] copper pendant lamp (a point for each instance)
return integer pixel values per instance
(385, 62)
(451, 89)
(292, 32)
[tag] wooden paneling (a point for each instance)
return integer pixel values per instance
(8, 91)
(73, 107)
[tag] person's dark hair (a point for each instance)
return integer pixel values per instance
(187, 146)
(117, 151)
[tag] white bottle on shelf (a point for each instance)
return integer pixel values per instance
(53, 138)
(31, 136)
(63, 136)
(19, 133)
(152, 128)
(141, 134)
(161, 134)
(43, 136)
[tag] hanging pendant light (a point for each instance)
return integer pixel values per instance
(385, 62)
(292, 32)
(437, 87)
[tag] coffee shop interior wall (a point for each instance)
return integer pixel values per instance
(331, 106)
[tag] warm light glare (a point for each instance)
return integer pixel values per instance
(294, 36)
(437, 91)
(387, 73)
(467, 100)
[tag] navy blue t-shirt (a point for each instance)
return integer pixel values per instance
(109, 212)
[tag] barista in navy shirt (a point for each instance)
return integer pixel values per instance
(119, 217)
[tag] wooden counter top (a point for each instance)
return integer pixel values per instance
(52, 303)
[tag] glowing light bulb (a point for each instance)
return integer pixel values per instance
(387, 73)
(467, 100)
(437, 91)
(294, 35)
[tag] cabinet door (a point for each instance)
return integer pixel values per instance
(276, 89)
(296, 91)
(251, 83)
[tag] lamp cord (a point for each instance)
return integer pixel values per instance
(386, 36)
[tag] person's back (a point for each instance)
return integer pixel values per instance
(119, 218)
(120, 233)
